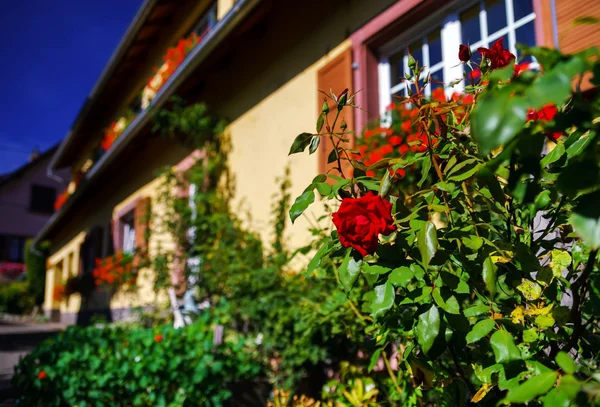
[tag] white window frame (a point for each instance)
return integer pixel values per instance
(448, 19)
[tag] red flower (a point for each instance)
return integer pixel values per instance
(398, 174)
(499, 56)
(158, 338)
(464, 53)
(520, 68)
(42, 375)
(395, 140)
(359, 221)
(547, 113)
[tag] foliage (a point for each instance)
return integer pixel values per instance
(120, 365)
(35, 266)
(15, 298)
(488, 287)
(302, 322)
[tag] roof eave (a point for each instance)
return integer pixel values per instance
(239, 10)
(102, 81)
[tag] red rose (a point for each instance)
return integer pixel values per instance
(359, 221)
(158, 338)
(42, 375)
(499, 56)
(464, 53)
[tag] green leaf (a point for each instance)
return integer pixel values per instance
(476, 310)
(427, 242)
(424, 171)
(544, 321)
(349, 271)
(564, 361)
(374, 359)
(504, 347)
(316, 260)
(489, 275)
(300, 143)
(555, 85)
(384, 299)
(534, 387)
(480, 330)
(450, 305)
(320, 122)
(473, 242)
(585, 219)
(530, 289)
(497, 118)
(530, 335)
(314, 144)
(323, 188)
(560, 261)
(401, 276)
(428, 328)
(466, 173)
(301, 203)
(374, 269)
(553, 155)
(332, 157)
(386, 184)
(579, 146)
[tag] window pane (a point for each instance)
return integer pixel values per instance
(522, 8)
(397, 68)
(469, 21)
(496, 15)
(526, 35)
(437, 79)
(435, 48)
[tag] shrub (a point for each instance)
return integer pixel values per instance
(35, 269)
(483, 276)
(15, 298)
(122, 365)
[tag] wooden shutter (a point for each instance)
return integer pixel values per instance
(141, 220)
(337, 76)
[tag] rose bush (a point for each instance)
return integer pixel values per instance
(487, 289)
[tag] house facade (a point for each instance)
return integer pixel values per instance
(259, 64)
(27, 197)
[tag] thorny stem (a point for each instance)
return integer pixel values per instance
(391, 372)
(579, 290)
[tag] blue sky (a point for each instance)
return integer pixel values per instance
(53, 51)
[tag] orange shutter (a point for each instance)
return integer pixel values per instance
(337, 76)
(141, 219)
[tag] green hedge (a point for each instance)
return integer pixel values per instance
(15, 298)
(126, 366)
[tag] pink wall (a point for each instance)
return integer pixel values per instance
(15, 217)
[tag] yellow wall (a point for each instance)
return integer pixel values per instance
(261, 140)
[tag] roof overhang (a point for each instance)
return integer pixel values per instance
(197, 56)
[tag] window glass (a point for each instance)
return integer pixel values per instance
(470, 27)
(496, 15)
(42, 199)
(522, 8)
(437, 79)
(128, 231)
(525, 35)
(397, 68)
(435, 47)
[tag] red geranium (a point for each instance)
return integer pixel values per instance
(158, 338)
(42, 375)
(499, 56)
(61, 199)
(464, 53)
(360, 221)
